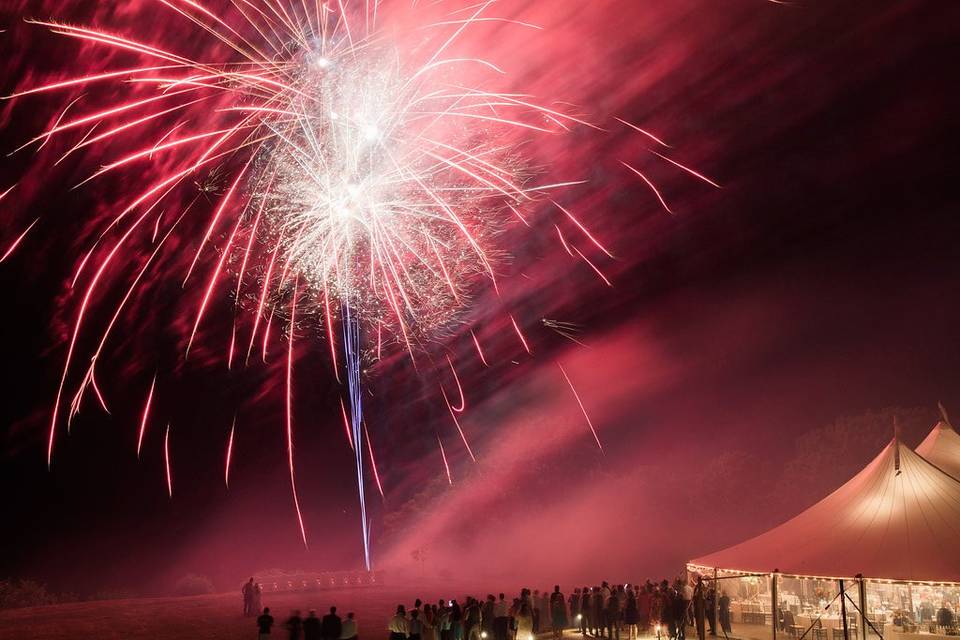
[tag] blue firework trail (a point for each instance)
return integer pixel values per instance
(351, 344)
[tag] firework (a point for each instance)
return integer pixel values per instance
(353, 169)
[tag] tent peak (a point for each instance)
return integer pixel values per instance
(943, 414)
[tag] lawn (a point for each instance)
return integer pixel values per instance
(213, 617)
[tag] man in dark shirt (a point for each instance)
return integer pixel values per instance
(331, 627)
(311, 627)
(264, 622)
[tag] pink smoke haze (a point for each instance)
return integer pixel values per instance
(758, 240)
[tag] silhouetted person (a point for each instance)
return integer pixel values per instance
(257, 602)
(264, 622)
(699, 609)
(596, 612)
(398, 626)
(349, 630)
(331, 626)
(945, 616)
(612, 618)
(311, 626)
(472, 617)
(687, 593)
(247, 591)
(711, 611)
(725, 612)
(558, 612)
(442, 621)
(574, 603)
(294, 625)
(414, 626)
(584, 610)
(631, 616)
(535, 610)
(501, 619)
(680, 607)
(456, 620)
(486, 614)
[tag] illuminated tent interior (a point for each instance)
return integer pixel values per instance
(942, 448)
(896, 523)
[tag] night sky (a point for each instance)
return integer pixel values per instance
(819, 282)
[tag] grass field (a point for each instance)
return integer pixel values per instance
(215, 617)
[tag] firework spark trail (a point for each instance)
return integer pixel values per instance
(346, 423)
(594, 267)
(568, 330)
(373, 461)
(476, 343)
(456, 378)
(456, 423)
(695, 174)
(580, 404)
(166, 461)
(146, 415)
(644, 132)
(13, 246)
(226, 465)
(523, 340)
(443, 456)
(293, 478)
(652, 186)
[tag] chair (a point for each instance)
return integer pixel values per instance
(819, 633)
(790, 623)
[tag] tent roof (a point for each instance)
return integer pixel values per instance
(942, 448)
(881, 523)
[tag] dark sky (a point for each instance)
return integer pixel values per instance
(819, 282)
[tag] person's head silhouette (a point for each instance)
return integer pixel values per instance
(333, 610)
(266, 610)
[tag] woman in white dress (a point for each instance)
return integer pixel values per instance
(524, 622)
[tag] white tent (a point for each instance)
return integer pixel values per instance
(942, 448)
(898, 519)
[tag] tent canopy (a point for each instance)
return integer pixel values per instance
(942, 448)
(898, 519)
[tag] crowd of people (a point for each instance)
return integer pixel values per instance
(606, 611)
(330, 627)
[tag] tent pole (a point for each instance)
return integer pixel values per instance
(863, 606)
(699, 605)
(843, 611)
(913, 616)
(716, 600)
(774, 616)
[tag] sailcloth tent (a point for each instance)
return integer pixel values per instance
(898, 519)
(942, 448)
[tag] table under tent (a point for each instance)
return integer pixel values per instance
(889, 539)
